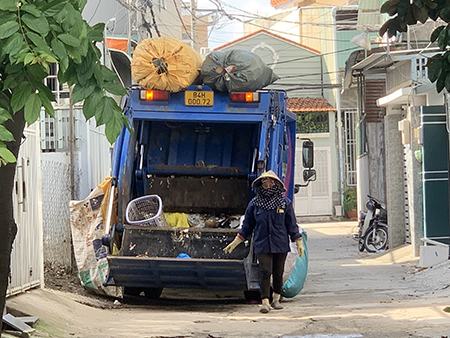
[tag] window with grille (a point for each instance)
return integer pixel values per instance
(54, 85)
(313, 122)
(350, 146)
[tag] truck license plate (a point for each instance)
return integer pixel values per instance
(199, 98)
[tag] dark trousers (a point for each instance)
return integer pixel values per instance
(271, 265)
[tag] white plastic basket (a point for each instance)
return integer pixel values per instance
(146, 211)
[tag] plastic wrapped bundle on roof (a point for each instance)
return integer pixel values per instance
(236, 70)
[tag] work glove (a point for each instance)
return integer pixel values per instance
(300, 247)
(230, 247)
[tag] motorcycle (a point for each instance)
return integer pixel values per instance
(373, 227)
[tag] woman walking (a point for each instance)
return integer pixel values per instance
(271, 219)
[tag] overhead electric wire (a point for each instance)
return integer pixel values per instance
(313, 56)
(268, 18)
(152, 13)
(181, 20)
(95, 11)
(234, 17)
(310, 74)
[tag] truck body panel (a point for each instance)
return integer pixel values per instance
(198, 160)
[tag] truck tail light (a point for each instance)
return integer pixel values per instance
(247, 97)
(154, 95)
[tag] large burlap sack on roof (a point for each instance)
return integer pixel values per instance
(165, 64)
(236, 70)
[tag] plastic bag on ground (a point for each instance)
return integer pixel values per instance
(165, 64)
(296, 270)
(86, 223)
(236, 70)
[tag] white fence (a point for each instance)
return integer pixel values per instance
(91, 164)
(27, 255)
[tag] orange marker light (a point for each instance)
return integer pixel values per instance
(245, 97)
(154, 95)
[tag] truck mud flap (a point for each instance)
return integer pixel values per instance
(176, 273)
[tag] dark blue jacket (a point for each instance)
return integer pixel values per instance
(271, 228)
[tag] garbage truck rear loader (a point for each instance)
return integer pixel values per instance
(199, 151)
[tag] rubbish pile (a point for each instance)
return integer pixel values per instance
(148, 211)
(171, 65)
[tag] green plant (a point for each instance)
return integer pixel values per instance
(404, 13)
(34, 34)
(350, 199)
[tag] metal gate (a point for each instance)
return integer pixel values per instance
(316, 199)
(27, 255)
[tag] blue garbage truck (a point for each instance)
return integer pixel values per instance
(198, 150)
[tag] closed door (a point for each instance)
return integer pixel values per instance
(316, 198)
(27, 254)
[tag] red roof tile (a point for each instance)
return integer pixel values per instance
(309, 104)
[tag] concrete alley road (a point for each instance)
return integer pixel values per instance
(348, 294)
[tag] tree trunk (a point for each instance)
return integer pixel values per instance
(8, 227)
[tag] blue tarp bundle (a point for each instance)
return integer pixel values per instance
(296, 280)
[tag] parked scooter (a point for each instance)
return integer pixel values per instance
(373, 227)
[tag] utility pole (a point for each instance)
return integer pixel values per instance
(129, 2)
(193, 23)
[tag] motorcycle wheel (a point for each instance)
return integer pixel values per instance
(379, 243)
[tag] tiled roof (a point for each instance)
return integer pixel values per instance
(275, 36)
(277, 3)
(309, 104)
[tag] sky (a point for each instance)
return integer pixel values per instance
(228, 30)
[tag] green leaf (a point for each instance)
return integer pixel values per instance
(81, 4)
(436, 33)
(8, 5)
(4, 115)
(47, 104)
(81, 92)
(29, 59)
(69, 40)
(440, 83)
(19, 96)
(445, 14)
(91, 104)
(38, 41)
(54, 7)
(5, 134)
(105, 110)
(14, 44)
(61, 53)
(114, 88)
(447, 82)
(8, 28)
(442, 39)
(6, 155)
(39, 25)
(96, 32)
(33, 108)
(85, 70)
(48, 58)
(434, 66)
(108, 74)
(32, 9)
(114, 126)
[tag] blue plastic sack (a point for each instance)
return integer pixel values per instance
(183, 255)
(296, 280)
